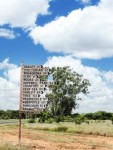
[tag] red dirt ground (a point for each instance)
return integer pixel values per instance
(43, 140)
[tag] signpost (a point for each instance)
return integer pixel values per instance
(33, 85)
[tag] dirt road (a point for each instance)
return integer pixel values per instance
(43, 140)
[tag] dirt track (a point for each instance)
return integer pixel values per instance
(42, 140)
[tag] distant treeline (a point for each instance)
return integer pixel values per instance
(14, 114)
(9, 114)
(100, 115)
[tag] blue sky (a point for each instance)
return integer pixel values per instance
(78, 33)
(22, 47)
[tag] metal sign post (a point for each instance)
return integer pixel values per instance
(33, 85)
(20, 107)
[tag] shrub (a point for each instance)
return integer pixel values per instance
(50, 120)
(58, 119)
(112, 119)
(44, 116)
(41, 120)
(11, 147)
(6, 117)
(31, 120)
(86, 121)
(68, 119)
(77, 120)
(61, 129)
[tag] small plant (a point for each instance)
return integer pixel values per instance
(6, 117)
(68, 119)
(58, 119)
(50, 120)
(78, 120)
(98, 121)
(10, 147)
(112, 119)
(41, 120)
(31, 120)
(44, 116)
(86, 121)
(61, 129)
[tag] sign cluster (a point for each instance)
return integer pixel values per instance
(34, 82)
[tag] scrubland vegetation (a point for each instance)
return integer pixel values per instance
(97, 127)
(98, 123)
(62, 133)
(10, 147)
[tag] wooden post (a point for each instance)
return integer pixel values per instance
(20, 128)
(20, 106)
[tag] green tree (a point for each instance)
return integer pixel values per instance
(64, 91)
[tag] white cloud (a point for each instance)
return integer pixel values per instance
(101, 89)
(22, 13)
(8, 34)
(9, 85)
(6, 65)
(101, 92)
(84, 1)
(109, 77)
(84, 33)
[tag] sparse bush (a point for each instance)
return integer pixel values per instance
(61, 129)
(10, 147)
(31, 120)
(58, 119)
(41, 120)
(112, 119)
(86, 121)
(44, 116)
(50, 120)
(68, 119)
(77, 120)
(98, 121)
(6, 117)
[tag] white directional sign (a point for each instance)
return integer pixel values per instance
(34, 82)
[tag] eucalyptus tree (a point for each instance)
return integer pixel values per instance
(65, 90)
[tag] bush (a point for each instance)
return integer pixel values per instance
(31, 120)
(68, 119)
(44, 116)
(59, 119)
(6, 117)
(77, 120)
(86, 121)
(61, 129)
(50, 120)
(112, 119)
(41, 120)
(11, 147)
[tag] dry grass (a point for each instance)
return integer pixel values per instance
(10, 147)
(94, 128)
(62, 135)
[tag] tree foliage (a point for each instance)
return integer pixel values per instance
(64, 91)
(9, 114)
(99, 115)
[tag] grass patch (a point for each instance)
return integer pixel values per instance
(10, 147)
(93, 128)
(63, 133)
(61, 129)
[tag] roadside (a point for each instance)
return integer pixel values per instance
(46, 140)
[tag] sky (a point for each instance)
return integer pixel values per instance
(75, 33)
